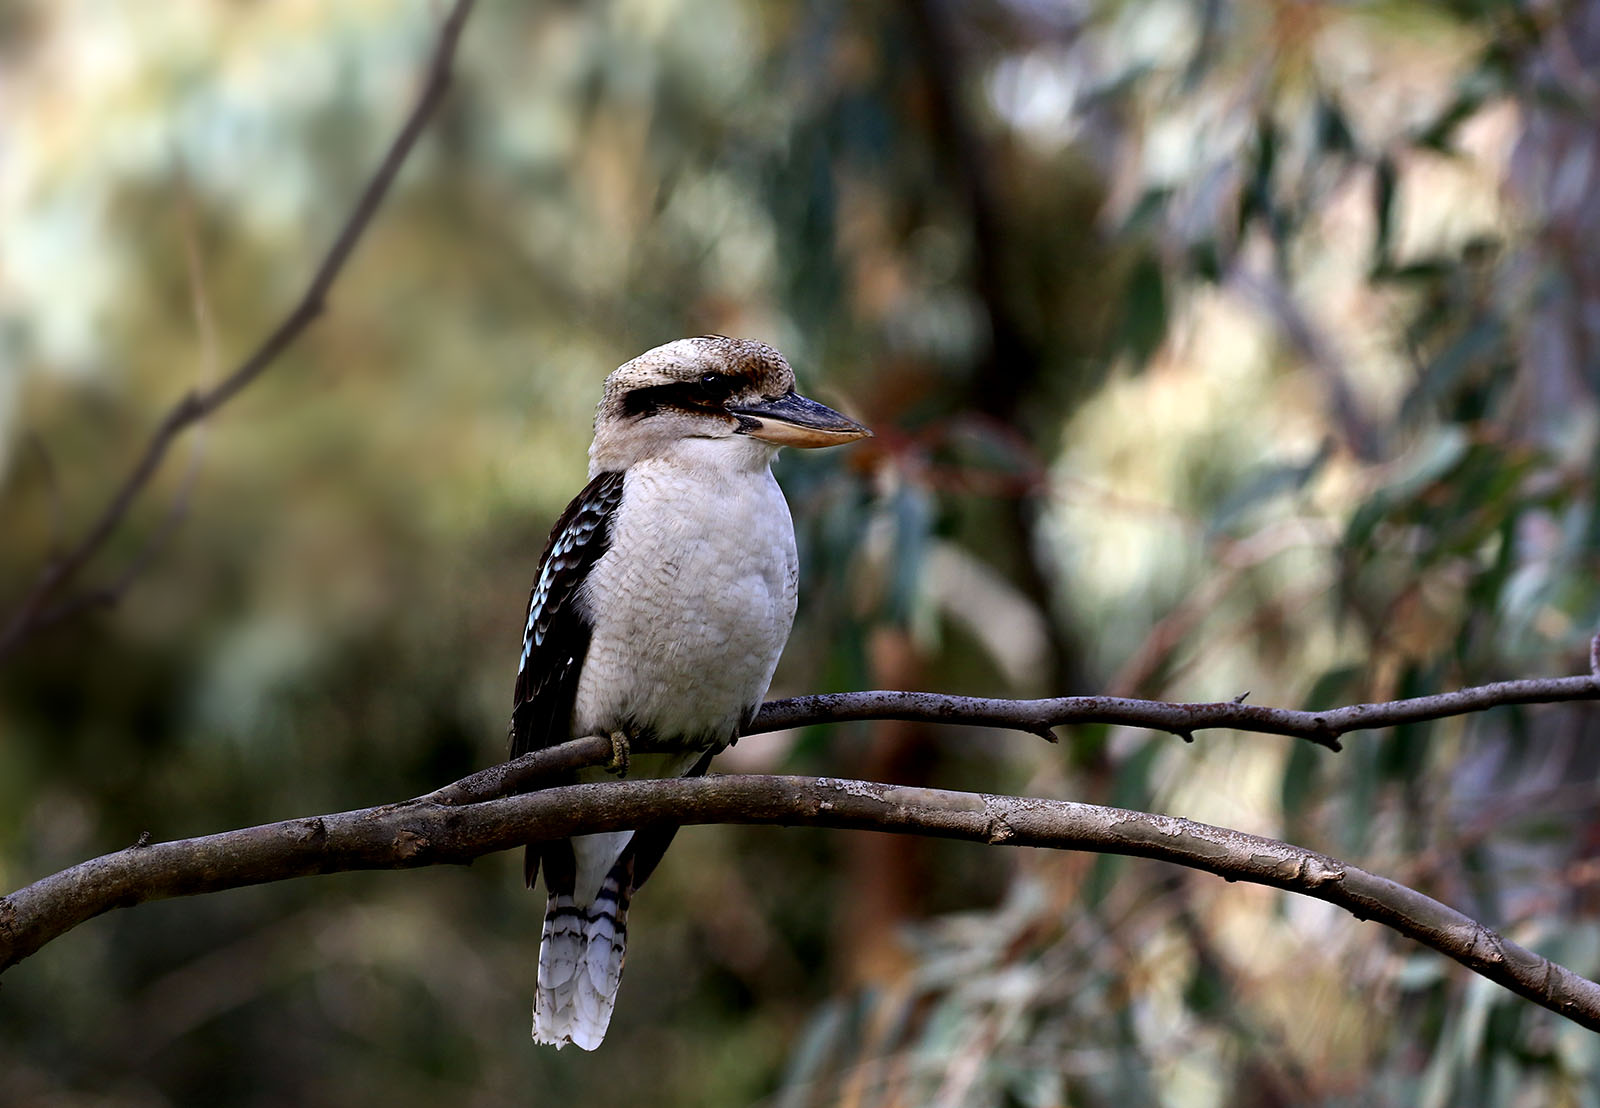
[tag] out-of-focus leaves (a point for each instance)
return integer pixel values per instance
(1144, 311)
(910, 519)
(1257, 201)
(1383, 191)
(1152, 205)
(1263, 485)
(1132, 787)
(1425, 464)
(1443, 376)
(1485, 81)
(1403, 750)
(335, 622)
(1333, 129)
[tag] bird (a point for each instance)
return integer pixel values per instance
(665, 594)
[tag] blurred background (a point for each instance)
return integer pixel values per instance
(1212, 346)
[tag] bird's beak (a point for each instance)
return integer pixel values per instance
(794, 420)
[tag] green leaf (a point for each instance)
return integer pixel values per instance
(1298, 786)
(1264, 484)
(911, 509)
(1144, 311)
(1332, 688)
(1445, 373)
(1425, 464)
(1383, 190)
(1333, 130)
(1131, 788)
(1256, 199)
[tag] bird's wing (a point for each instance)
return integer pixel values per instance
(555, 636)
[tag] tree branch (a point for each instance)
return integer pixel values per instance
(423, 833)
(1039, 716)
(40, 607)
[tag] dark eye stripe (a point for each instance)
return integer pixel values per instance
(705, 396)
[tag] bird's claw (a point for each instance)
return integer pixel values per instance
(619, 754)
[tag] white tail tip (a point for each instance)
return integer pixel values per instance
(580, 969)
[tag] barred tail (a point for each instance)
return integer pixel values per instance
(580, 964)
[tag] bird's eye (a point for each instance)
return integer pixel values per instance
(711, 380)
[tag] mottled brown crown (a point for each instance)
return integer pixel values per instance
(674, 376)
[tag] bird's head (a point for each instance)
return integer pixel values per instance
(723, 400)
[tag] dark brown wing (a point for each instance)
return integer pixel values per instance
(556, 633)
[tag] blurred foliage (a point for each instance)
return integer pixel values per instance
(1211, 346)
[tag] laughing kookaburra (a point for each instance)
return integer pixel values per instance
(663, 600)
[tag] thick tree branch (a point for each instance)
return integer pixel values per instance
(422, 833)
(43, 605)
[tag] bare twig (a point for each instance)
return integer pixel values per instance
(544, 767)
(172, 519)
(113, 591)
(52, 484)
(423, 833)
(42, 605)
(1039, 716)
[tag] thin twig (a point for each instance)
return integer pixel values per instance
(40, 606)
(113, 591)
(178, 509)
(422, 833)
(52, 484)
(541, 768)
(1039, 716)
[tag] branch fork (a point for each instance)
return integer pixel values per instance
(495, 810)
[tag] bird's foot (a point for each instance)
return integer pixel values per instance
(619, 754)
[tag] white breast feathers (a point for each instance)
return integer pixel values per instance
(692, 603)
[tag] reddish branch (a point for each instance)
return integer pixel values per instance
(424, 832)
(44, 605)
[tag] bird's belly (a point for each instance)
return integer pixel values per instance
(690, 606)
